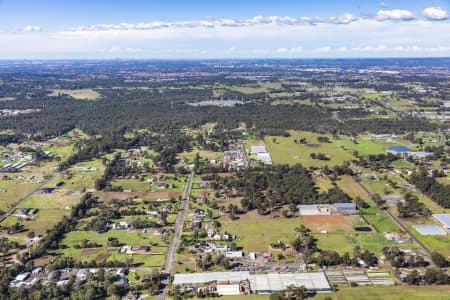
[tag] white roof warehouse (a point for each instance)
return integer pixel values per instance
(261, 283)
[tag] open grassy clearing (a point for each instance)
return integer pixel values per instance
(348, 185)
(323, 183)
(403, 292)
(80, 94)
(15, 189)
(285, 151)
(373, 215)
(346, 242)
(438, 243)
(388, 292)
(257, 235)
(130, 238)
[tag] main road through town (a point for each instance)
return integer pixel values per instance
(176, 236)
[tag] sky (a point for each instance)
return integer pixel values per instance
(198, 29)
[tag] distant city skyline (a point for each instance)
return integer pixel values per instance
(138, 29)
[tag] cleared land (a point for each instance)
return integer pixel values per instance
(80, 94)
(257, 235)
(334, 223)
(108, 196)
(284, 150)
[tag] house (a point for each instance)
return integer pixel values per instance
(392, 199)
(219, 248)
(35, 239)
(25, 213)
(140, 249)
(121, 272)
(122, 281)
(22, 276)
(121, 225)
(234, 254)
(62, 282)
(210, 232)
(196, 224)
(252, 255)
(82, 274)
(125, 249)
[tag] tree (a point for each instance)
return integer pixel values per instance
(413, 278)
(439, 260)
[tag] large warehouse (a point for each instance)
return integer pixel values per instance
(444, 219)
(276, 282)
(259, 284)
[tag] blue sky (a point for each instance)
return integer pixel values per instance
(223, 29)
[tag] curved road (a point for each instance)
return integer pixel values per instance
(176, 236)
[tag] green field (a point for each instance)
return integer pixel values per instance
(125, 237)
(285, 151)
(346, 242)
(15, 189)
(436, 243)
(371, 293)
(257, 235)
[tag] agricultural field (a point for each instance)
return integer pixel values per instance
(285, 151)
(13, 189)
(258, 234)
(133, 238)
(80, 94)
(348, 241)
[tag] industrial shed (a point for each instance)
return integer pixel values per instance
(429, 229)
(312, 209)
(444, 219)
(228, 282)
(228, 289)
(258, 149)
(275, 282)
(201, 278)
(345, 207)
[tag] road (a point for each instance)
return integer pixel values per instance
(396, 220)
(18, 203)
(170, 259)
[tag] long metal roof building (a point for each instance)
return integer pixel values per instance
(260, 283)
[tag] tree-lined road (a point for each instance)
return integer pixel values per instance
(168, 266)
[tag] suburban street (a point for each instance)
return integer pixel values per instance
(176, 236)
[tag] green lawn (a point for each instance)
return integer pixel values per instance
(14, 190)
(370, 293)
(285, 151)
(257, 235)
(438, 243)
(388, 292)
(346, 242)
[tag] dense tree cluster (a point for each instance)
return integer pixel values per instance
(428, 185)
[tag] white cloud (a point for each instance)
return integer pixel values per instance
(435, 13)
(325, 49)
(215, 23)
(31, 28)
(292, 50)
(395, 14)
